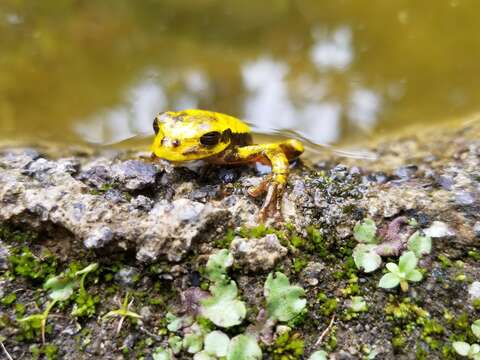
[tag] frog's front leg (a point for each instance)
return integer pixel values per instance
(278, 156)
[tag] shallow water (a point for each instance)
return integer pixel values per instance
(334, 72)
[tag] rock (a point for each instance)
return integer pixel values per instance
(439, 229)
(257, 254)
(464, 198)
(99, 238)
(311, 274)
(96, 176)
(406, 172)
(474, 290)
(134, 174)
(127, 276)
(476, 229)
(4, 254)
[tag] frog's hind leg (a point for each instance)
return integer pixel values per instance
(278, 155)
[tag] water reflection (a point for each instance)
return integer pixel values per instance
(333, 72)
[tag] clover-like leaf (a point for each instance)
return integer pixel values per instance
(366, 258)
(358, 304)
(284, 301)
(419, 244)
(193, 343)
(318, 355)
(216, 343)
(476, 328)
(414, 275)
(175, 343)
(223, 308)
(244, 347)
(365, 231)
(174, 323)
(408, 261)
(61, 287)
(162, 354)
(203, 355)
(462, 348)
(217, 265)
(388, 281)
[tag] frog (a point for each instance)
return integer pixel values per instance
(220, 139)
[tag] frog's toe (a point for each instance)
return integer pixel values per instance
(261, 188)
(272, 206)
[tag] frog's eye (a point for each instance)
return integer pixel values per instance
(156, 128)
(210, 138)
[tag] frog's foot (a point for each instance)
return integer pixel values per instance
(272, 205)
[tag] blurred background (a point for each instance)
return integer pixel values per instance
(332, 71)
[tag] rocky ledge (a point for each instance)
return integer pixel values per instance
(153, 234)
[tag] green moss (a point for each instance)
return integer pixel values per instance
(102, 189)
(327, 305)
(404, 310)
(13, 235)
(398, 342)
(476, 304)
(444, 261)
(8, 299)
(462, 322)
(297, 241)
(474, 255)
(24, 263)
(226, 240)
(288, 347)
(50, 352)
(299, 264)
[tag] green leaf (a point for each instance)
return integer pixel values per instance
(318, 355)
(462, 348)
(244, 347)
(420, 245)
(223, 308)
(173, 322)
(203, 355)
(283, 300)
(217, 265)
(366, 258)
(365, 231)
(414, 275)
(193, 343)
(358, 304)
(476, 328)
(389, 281)
(408, 261)
(216, 343)
(474, 350)
(86, 270)
(61, 287)
(175, 343)
(162, 354)
(392, 267)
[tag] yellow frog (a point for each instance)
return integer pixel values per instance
(221, 139)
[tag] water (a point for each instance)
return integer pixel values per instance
(333, 72)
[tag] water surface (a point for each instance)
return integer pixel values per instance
(335, 71)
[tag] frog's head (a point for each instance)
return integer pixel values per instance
(189, 135)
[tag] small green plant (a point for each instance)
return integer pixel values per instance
(319, 355)
(288, 346)
(60, 288)
(162, 354)
(123, 313)
(419, 244)
(402, 273)
(284, 301)
(216, 344)
(217, 266)
(244, 347)
(358, 304)
(472, 351)
(26, 264)
(223, 308)
(366, 258)
(364, 231)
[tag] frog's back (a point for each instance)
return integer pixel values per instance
(240, 131)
